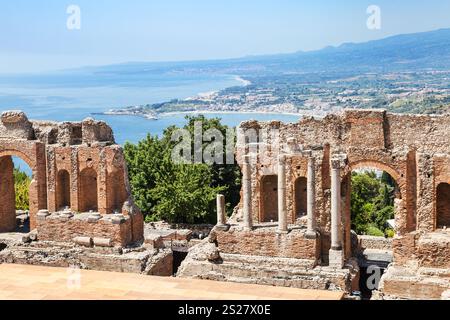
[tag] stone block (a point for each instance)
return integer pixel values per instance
(102, 242)
(154, 241)
(83, 241)
(336, 259)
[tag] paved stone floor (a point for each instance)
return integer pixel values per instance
(39, 283)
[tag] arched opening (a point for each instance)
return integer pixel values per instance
(443, 205)
(63, 190)
(15, 180)
(372, 202)
(301, 196)
(269, 198)
(369, 205)
(88, 190)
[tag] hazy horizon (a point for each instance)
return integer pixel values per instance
(114, 32)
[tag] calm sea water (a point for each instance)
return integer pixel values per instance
(75, 95)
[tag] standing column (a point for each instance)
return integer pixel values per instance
(247, 192)
(311, 199)
(336, 258)
(220, 209)
(282, 212)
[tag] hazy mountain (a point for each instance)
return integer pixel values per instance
(407, 52)
(416, 51)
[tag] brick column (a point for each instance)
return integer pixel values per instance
(311, 199)
(51, 179)
(74, 179)
(282, 212)
(102, 183)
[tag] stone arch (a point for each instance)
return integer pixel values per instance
(22, 155)
(28, 152)
(376, 165)
(401, 220)
(62, 189)
(88, 199)
(443, 205)
(268, 198)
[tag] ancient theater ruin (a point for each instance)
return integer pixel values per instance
(81, 210)
(293, 224)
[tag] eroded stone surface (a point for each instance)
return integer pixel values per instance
(277, 159)
(78, 169)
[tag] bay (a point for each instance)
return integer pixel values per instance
(76, 94)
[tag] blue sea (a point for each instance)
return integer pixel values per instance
(76, 94)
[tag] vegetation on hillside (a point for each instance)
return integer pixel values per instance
(372, 203)
(176, 192)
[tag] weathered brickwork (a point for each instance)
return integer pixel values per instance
(79, 182)
(266, 242)
(299, 177)
(116, 230)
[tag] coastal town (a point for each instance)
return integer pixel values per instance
(314, 94)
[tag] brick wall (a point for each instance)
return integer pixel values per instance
(268, 243)
(58, 228)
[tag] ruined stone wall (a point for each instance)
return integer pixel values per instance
(422, 250)
(77, 167)
(113, 231)
(265, 242)
(414, 150)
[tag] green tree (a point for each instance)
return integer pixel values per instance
(21, 186)
(222, 175)
(179, 192)
(372, 202)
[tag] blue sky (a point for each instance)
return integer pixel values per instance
(34, 36)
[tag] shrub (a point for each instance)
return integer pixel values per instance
(374, 231)
(390, 233)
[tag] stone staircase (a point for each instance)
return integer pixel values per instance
(406, 282)
(285, 272)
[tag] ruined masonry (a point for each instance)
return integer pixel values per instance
(293, 224)
(81, 209)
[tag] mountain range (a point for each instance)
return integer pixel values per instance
(406, 52)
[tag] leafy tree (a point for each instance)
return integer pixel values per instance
(179, 192)
(372, 203)
(184, 193)
(21, 186)
(144, 161)
(228, 175)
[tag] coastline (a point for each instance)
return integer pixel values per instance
(303, 114)
(244, 82)
(155, 115)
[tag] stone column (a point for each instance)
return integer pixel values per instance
(336, 257)
(51, 179)
(220, 209)
(101, 184)
(311, 199)
(247, 192)
(282, 212)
